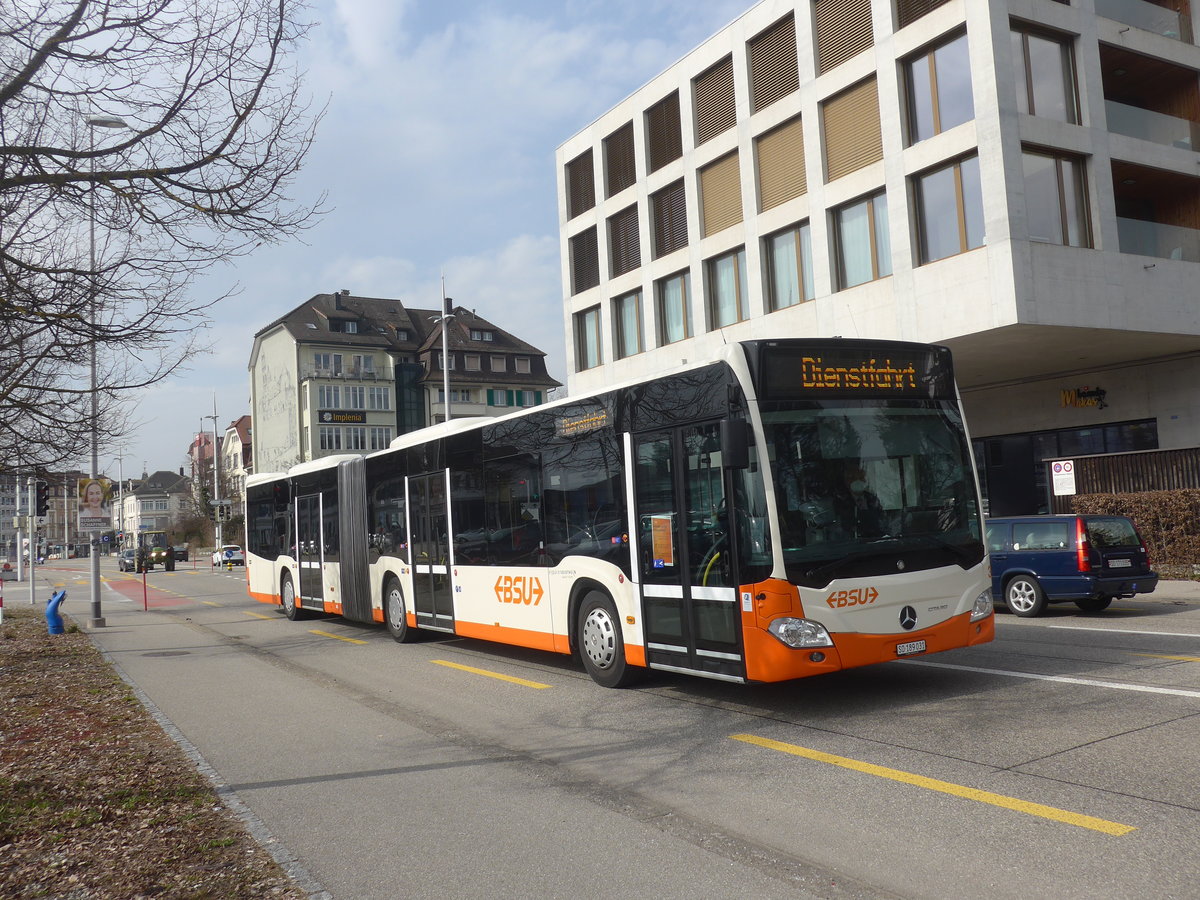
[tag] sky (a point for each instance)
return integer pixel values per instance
(436, 154)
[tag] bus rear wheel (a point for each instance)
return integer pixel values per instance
(394, 613)
(291, 606)
(600, 644)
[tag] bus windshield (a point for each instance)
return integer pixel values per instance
(871, 487)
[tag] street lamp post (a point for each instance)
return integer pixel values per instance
(216, 476)
(444, 319)
(94, 122)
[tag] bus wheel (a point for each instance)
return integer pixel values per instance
(600, 643)
(1024, 596)
(287, 593)
(394, 613)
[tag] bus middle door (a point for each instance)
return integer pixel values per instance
(430, 531)
(308, 550)
(687, 570)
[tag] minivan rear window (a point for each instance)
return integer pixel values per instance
(1041, 535)
(1111, 531)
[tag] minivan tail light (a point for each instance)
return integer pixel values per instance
(1082, 556)
(1145, 551)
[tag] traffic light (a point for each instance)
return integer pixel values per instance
(42, 504)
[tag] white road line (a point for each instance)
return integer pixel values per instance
(1065, 679)
(1126, 631)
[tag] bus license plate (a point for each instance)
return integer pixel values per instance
(910, 647)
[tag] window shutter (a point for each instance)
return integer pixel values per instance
(781, 172)
(537, 398)
(852, 134)
(624, 245)
(619, 169)
(715, 110)
(721, 194)
(908, 11)
(664, 136)
(581, 185)
(843, 31)
(773, 68)
(668, 209)
(585, 261)
(510, 398)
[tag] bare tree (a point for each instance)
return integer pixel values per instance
(155, 137)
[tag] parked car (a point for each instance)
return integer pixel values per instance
(229, 554)
(127, 561)
(181, 552)
(1052, 559)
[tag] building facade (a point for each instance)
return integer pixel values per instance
(154, 503)
(236, 462)
(345, 374)
(1017, 179)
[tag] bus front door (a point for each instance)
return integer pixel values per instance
(431, 552)
(309, 551)
(687, 571)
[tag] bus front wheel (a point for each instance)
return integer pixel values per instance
(287, 593)
(394, 613)
(600, 644)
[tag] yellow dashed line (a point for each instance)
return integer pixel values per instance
(1165, 656)
(496, 675)
(945, 787)
(211, 603)
(256, 615)
(336, 637)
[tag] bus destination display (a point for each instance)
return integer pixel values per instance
(841, 372)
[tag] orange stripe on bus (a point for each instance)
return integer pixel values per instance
(266, 598)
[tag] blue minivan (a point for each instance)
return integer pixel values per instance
(1052, 559)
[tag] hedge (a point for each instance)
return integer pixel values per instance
(1169, 522)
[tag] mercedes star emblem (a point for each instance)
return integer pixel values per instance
(908, 618)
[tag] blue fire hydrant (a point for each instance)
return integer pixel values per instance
(54, 621)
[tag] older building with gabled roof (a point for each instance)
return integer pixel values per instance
(341, 374)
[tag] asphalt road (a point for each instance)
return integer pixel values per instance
(1059, 761)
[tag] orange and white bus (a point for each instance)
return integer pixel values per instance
(793, 507)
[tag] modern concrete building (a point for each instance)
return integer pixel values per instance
(1016, 179)
(348, 374)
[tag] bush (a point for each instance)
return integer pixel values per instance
(1169, 522)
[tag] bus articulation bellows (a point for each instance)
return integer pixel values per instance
(791, 508)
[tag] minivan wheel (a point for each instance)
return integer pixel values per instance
(1094, 604)
(1024, 596)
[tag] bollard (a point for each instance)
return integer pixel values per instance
(54, 621)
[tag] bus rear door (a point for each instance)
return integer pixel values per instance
(688, 574)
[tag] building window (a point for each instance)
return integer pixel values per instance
(864, 250)
(716, 111)
(843, 30)
(853, 138)
(664, 136)
(330, 437)
(1045, 68)
(479, 335)
(624, 242)
(499, 364)
(789, 267)
(401, 334)
(356, 398)
(457, 395)
(446, 361)
(939, 90)
(380, 438)
(522, 365)
(627, 325)
(668, 219)
(343, 326)
(908, 11)
(587, 339)
(363, 364)
(329, 396)
(619, 169)
(720, 195)
(781, 171)
(498, 398)
(727, 300)
(585, 261)
(674, 308)
(379, 398)
(356, 438)
(1056, 199)
(773, 70)
(471, 361)
(329, 362)
(581, 184)
(949, 210)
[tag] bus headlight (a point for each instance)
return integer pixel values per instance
(800, 632)
(983, 606)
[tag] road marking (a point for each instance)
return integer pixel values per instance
(1127, 631)
(257, 615)
(336, 637)
(533, 684)
(945, 787)
(210, 603)
(1167, 656)
(1065, 679)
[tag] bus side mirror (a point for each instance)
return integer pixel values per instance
(735, 443)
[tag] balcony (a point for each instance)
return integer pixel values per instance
(1150, 99)
(1157, 212)
(348, 373)
(1149, 16)
(1148, 125)
(1156, 239)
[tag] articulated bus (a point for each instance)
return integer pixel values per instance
(791, 508)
